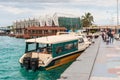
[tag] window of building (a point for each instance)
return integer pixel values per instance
(36, 31)
(33, 31)
(50, 31)
(40, 32)
(46, 32)
(29, 31)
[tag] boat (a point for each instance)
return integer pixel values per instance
(87, 41)
(46, 53)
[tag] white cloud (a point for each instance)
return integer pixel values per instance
(14, 10)
(100, 3)
(101, 10)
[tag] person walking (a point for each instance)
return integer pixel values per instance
(107, 38)
(112, 36)
(103, 35)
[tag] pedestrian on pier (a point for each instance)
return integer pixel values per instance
(112, 36)
(107, 39)
(103, 34)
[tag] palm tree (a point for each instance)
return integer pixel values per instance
(87, 20)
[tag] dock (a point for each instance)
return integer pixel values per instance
(98, 62)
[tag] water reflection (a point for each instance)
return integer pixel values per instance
(28, 75)
(52, 74)
(11, 49)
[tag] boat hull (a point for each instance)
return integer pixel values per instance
(59, 61)
(62, 60)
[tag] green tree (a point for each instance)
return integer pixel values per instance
(87, 20)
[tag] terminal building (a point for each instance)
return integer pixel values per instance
(45, 26)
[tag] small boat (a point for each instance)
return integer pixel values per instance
(78, 34)
(51, 51)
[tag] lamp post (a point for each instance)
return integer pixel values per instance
(117, 17)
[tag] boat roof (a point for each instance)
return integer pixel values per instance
(53, 39)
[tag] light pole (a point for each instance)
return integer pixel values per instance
(117, 18)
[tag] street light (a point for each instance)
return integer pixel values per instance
(117, 18)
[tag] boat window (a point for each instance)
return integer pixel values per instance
(42, 45)
(42, 48)
(31, 47)
(69, 46)
(59, 49)
(81, 40)
(75, 44)
(49, 49)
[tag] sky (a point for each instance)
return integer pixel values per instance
(103, 11)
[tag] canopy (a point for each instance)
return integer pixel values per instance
(53, 39)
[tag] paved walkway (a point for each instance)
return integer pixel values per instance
(98, 62)
(107, 64)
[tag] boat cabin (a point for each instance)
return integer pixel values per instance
(54, 45)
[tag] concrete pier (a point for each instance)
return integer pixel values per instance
(98, 62)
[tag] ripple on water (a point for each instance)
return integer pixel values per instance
(11, 49)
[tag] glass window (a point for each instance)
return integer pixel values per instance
(58, 49)
(31, 47)
(75, 44)
(69, 46)
(33, 31)
(41, 48)
(81, 40)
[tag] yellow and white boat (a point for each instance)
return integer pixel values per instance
(52, 51)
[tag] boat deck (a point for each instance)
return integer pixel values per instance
(98, 62)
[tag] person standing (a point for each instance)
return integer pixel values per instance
(103, 34)
(112, 36)
(93, 38)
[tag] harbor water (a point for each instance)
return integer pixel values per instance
(11, 49)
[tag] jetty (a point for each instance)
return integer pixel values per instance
(98, 62)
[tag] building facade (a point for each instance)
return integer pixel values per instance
(45, 26)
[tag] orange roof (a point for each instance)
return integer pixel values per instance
(46, 28)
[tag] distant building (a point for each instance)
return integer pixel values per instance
(4, 30)
(35, 28)
(67, 20)
(59, 22)
(42, 31)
